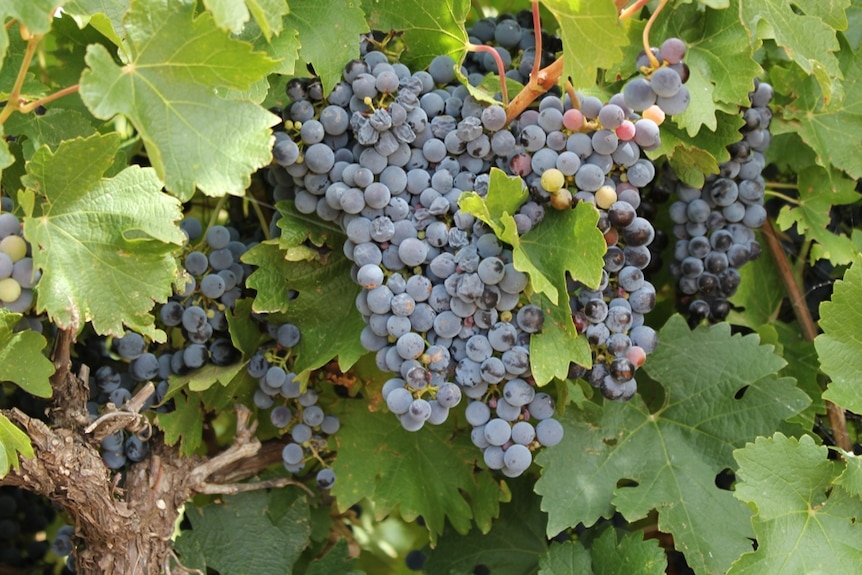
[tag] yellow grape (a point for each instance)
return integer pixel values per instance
(10, 290)
(562, 200)
(553, 180)
(605, 197)
(13, 246)
(655, 114)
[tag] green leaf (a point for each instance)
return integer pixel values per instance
(806, 29)
(206, 377)
(32, 375)
(233, 14)
(568, 557)
(176, 66)
(832, 131)
(244, 330)
(840, 344)
(429, 473)
(49, 129)
(720, 61)
(667, 459)
(337, 561)
(37, 15)
(803, 524)
(430, 28)
(185, 423)
(253, 532)
(106, 16)
(760, 293)
(629, 554)
(513, 546)
(296, 228)
(505, 195)
(104, 245)
(592, 35)
(819, 190)
(13, 441)
(694, 158)
(566, 241)
(328, 35)
(557, 345)
(6, 157)
(324, 309)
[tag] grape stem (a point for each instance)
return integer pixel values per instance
(14, 101)
(543, 81)
(652, 59)
(537, 32)
(30, 106)
(501, 68)
(836, 415)
(630, 11)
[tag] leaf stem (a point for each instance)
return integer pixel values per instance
(14, 101)
(781, 196)
(809, 329)
(29, 107)
(501, 68)
(261, 217)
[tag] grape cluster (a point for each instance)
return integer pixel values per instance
(17, 275)
(610, 171)
(23, 517)
(293, 407)
(196, 324)
(714, 225)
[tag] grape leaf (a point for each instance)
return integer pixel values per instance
(6, 157)
(840, 344)
(233, 14)
(13, 441)
(512, 546)
(629, 554)
(694, 158)
(328, 35)
(720, 61)
(83, 228)
(565, 241)
(49, 129)
(337, 561)
(806, 29)
(296, 228)
(283, 48)
(568, 557)
(670, 456)
(760, 293)
(244, 330)
(819, 190)
(252, 532)
(804, 522)
(557, 345)
(592, 36)
(32, 375)
(324, 310)
(169, 88)
(106, 16)
(430, 473)
(832, 131)
(430, 28)
(36, 15)
(185, 423)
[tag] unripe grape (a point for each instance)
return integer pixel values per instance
(605, 197)
(655, 114)
(13, 246)
(553, 180)
(10, 290)
(562, 200)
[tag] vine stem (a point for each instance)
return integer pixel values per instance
(29, 107)
(13, 103)
(836, 415)
(537, 32)
(544, 80)
(630, 11)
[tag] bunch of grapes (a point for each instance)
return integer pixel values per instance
(23, 517)
(17, 275)
(714, 225)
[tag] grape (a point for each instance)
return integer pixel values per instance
(477, 413)
(665, 82)
(131, 345)
(517, 459)
(288, 335)
(325, 478)
(292, 454)
(549, 432)
(280, 417)
(13, 246)
(497, 431)
(398, 401)
(212, 286)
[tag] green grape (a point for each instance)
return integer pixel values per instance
(14, 246)
(10, 290)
